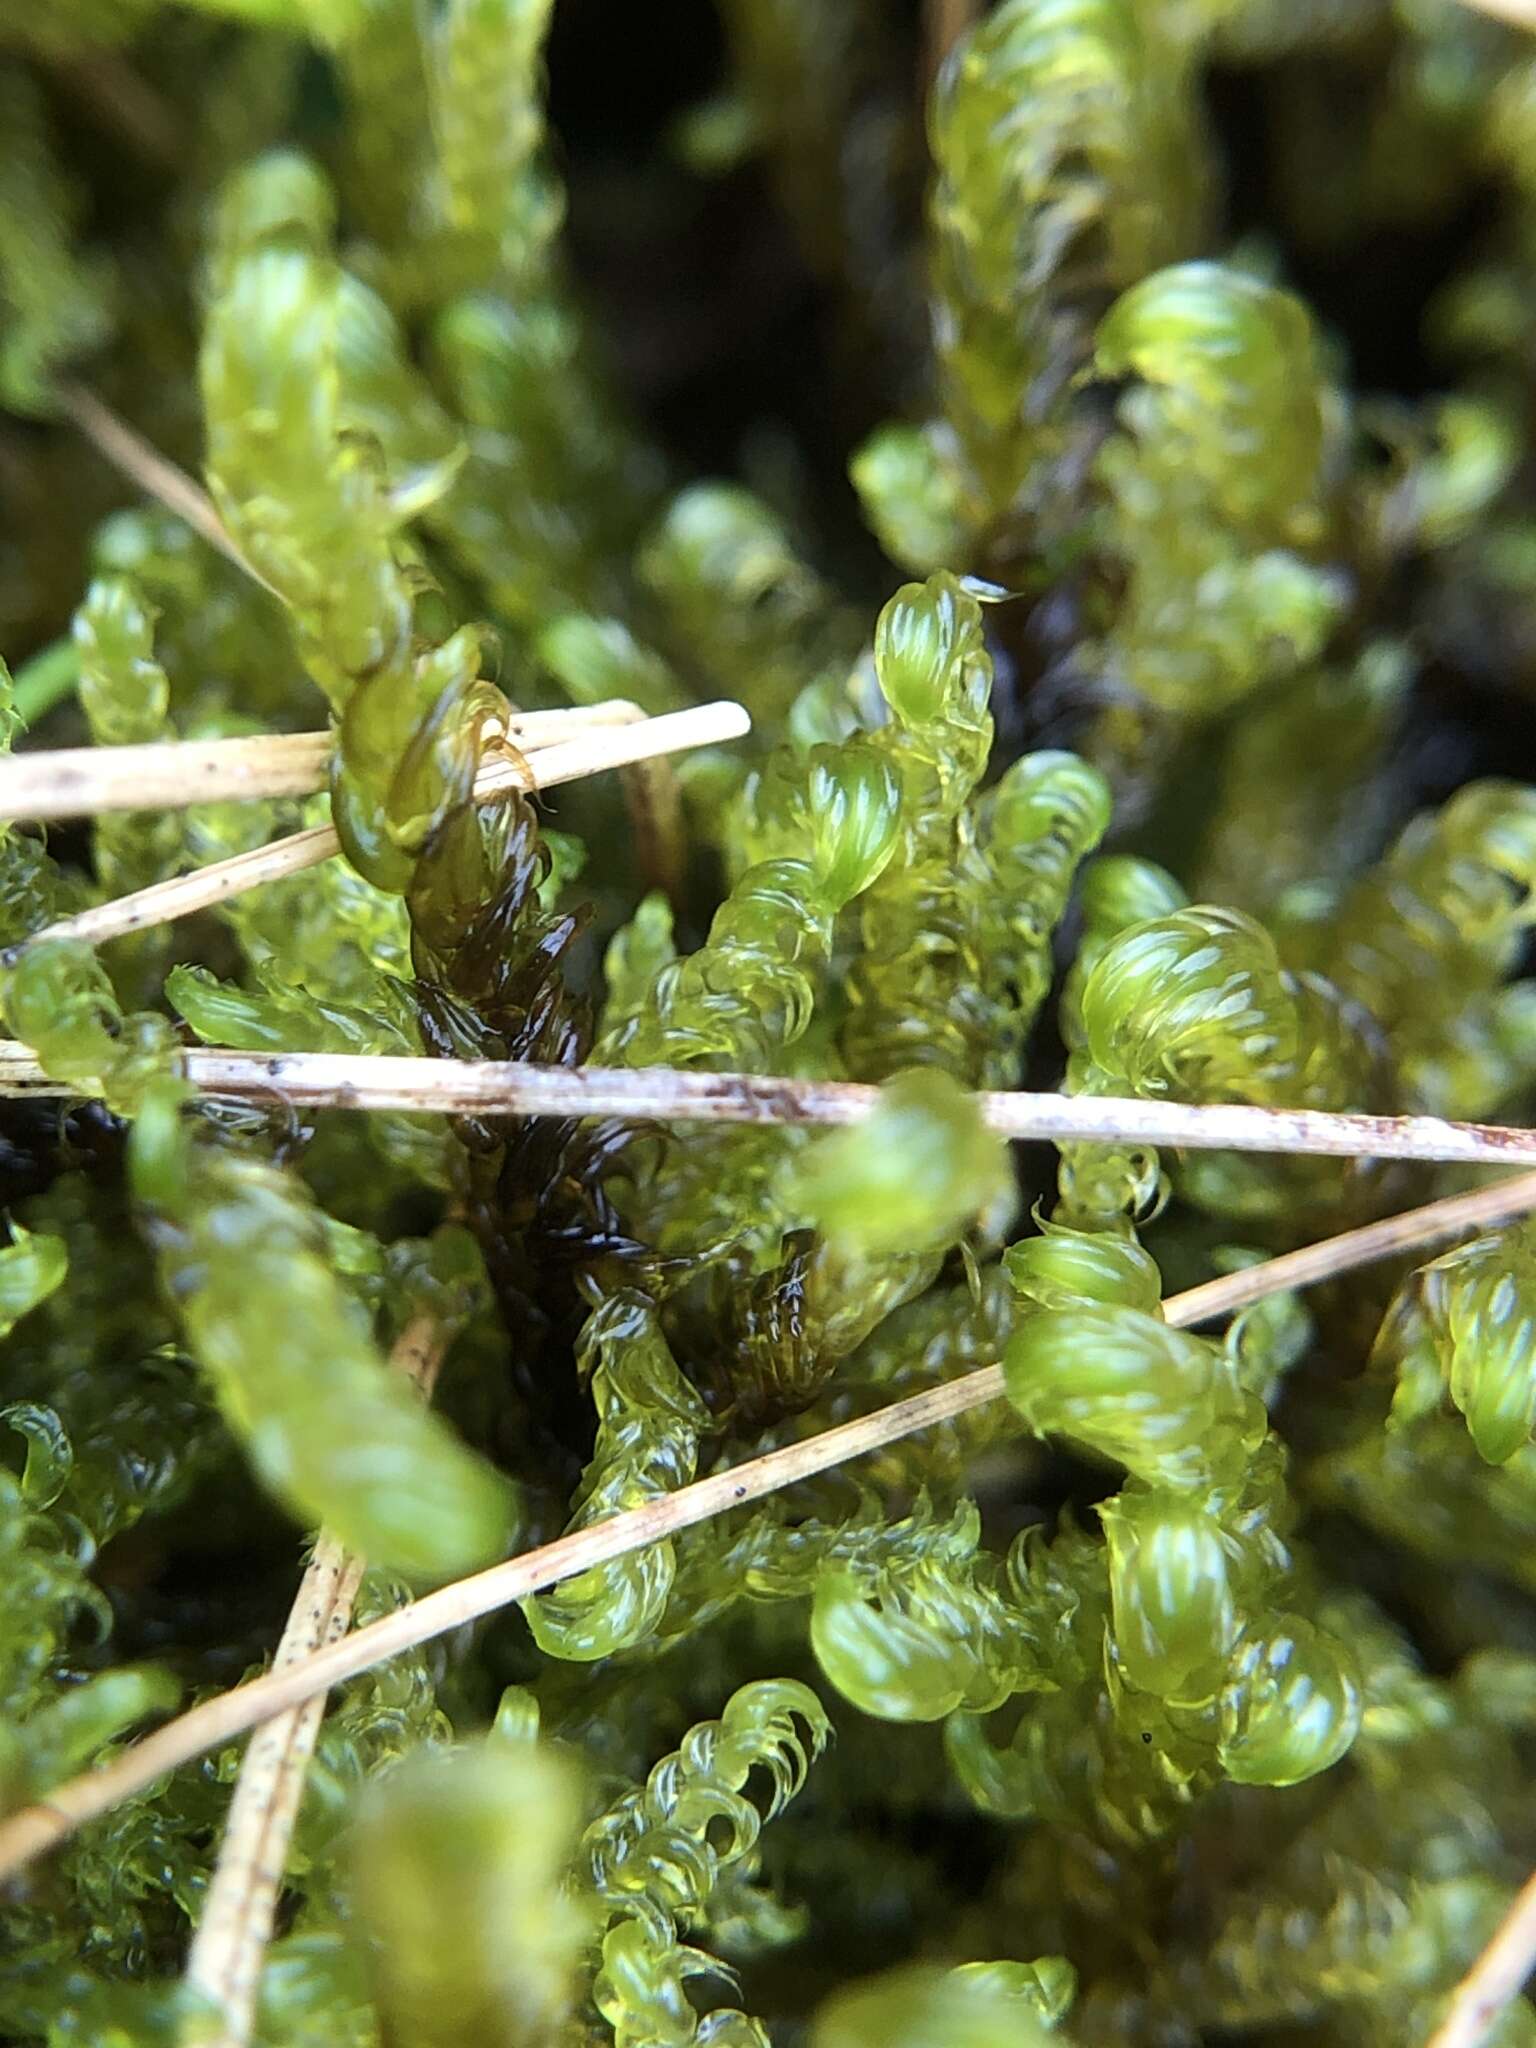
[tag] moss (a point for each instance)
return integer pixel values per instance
(1187, 1691)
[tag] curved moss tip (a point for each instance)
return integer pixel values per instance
(918, 1171)
(978, 2005)
(459, 1873)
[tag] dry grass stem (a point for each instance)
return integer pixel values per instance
(164, 902)
(945, 21)
(1523, 14)
(224, 1967)
(154, 473)
(81, 782)
(593, 750)
(34, 1829)
(322, 1080)
(122, 100)
(653, 799)
(1495, 1979)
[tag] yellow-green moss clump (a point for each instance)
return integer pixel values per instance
(1104, 469)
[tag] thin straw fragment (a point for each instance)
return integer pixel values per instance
(567, 760)
(163, 902)
(1522, 13)
(945, 22)
(224, 1966)
(154, 473)
(31, 1830)
(321, 1080)
(1494, 1981)
(121, 99)
(81, 782)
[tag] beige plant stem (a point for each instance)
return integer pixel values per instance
(1495, 1979)
(224, 1966)
(653, 800)
(568, 760)
(945, 22)
(32, 1830)
(1520, 13)
(121, 100)
(665, 1094)
(82, 782)
(154, 473)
